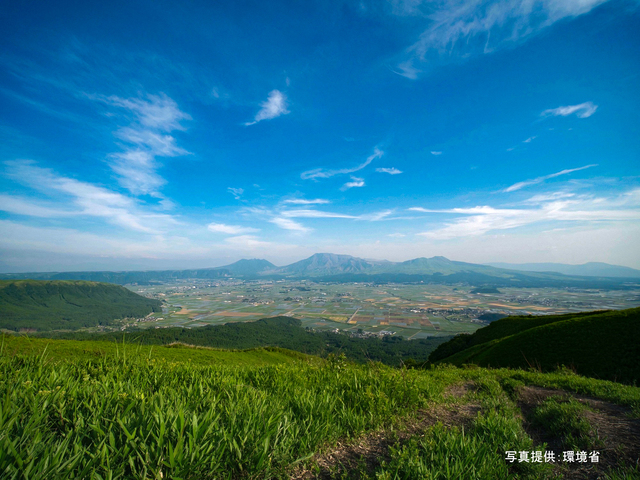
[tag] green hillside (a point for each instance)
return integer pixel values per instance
(76, 351)
(77, 410)
(283, 332)
(49, 305)
(598, 344)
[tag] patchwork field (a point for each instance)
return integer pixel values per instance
(410, 311)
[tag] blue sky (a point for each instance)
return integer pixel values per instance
(147, 135)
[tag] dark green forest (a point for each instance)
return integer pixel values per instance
(53, 305)
(284, 332)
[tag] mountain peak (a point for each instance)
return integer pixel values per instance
(249, 267)
(327, 264)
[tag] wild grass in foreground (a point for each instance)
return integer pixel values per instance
(143, 417)
(474, 453)
(563, 417)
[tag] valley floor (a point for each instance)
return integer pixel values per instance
(138, 415)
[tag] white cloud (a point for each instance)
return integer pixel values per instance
(376, 216)
(236, 192)
(157, 112)
(247, 241)
(407, 69)
(583, 110)
(480, 220)
(526, 183)
(390, 171)
(230, 229)
(356, 182)
(147, 139)
(88, 199)
(436, 153)
(463, 28)
(301, 201)
(313, 214)
(274, 106)
(547, 197)
(157, 143)
(321, 173)
(288, 224)
(530, 139)
(396, 235)
(26, 206)
(137, 171)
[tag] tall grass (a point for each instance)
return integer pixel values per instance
(132, 415)
(137, 417)
(474, 453)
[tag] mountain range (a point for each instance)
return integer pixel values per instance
(591, 269)
(331, 267)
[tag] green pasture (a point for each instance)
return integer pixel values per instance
(86, 350)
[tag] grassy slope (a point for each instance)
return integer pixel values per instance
(74, 350)
(138, 418)
(604, 344)
(48, 305)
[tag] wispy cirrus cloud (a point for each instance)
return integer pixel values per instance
(390, 171)
(433, 152)
(247, 242)
(158, 112)
(375, 216)
(71, 197)
(33, 208)
(308, 213)
(535, 181)
(288, 224)
(583, 110)
(273, 107)
(322, 173)
(302, 201)
(145, 139)
(283, 217)
(477, 221)
(461, 28)
(230, 229)
(236, 192)
(354, 183)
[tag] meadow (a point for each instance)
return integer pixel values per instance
(134, 413)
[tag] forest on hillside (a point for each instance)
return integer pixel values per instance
(284, 332)
(37, 305)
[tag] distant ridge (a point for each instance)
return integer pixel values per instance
(346, 268)
(591, 269)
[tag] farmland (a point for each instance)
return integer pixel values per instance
(410, 311)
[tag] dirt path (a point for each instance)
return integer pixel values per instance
(370, 450)
(613, 426)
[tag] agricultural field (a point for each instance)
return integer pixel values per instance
(410, 311)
